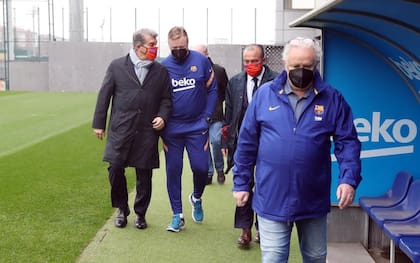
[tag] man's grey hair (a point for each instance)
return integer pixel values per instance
(202, 49)
(139, 36)
(303, 42)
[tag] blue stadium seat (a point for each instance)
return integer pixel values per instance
(392, 197)
(411, 247)
(405, 210)
(398, 229)
(395, 194)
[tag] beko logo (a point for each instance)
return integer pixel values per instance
(183, 84)
(402, 131)
(410, 68)
(390, 131)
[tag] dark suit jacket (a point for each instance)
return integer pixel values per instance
(131, 140)
(235, 108)
(222, 81)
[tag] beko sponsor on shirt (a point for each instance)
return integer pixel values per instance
(182, 84)
(387, 132)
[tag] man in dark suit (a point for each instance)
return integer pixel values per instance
(141, 105)
(239, 93)
(216, 160)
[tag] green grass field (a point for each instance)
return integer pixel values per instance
(54, 195)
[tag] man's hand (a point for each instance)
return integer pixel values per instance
(345, 193)
(241, 198)
(99, 133)
(158, 123)
(225, 151)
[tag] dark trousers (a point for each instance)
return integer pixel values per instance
(119, 193)
(244, 216)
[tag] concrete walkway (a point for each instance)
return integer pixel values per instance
(348, 253)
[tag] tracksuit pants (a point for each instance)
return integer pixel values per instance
(197, 148)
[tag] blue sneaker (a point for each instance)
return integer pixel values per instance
(177, 223)
(197, 209)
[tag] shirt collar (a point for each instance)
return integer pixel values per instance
(288, 90)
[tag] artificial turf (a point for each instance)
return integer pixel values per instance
(54, 195)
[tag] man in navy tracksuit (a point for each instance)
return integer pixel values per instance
(194, 95)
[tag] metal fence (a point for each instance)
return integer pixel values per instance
(28, 25)
(273, 57)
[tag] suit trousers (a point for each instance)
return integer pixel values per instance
(119, 193)
(244, 216)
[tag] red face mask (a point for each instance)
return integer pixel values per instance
(151, 53)
(253, 69)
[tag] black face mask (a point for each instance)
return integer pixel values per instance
(301, 77)
(180, 54)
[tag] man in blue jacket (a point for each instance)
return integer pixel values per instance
(194, 96)
(286, 134)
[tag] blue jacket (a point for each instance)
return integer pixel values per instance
(193, 91)
(235, 108)
(292, 158)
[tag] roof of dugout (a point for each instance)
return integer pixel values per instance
(390, 28)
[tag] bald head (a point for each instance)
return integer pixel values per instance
(202, 49)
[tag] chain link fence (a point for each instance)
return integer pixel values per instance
(273, 57)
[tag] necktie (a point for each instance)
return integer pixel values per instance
(255, 79)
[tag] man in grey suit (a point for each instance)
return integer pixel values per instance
(141, 105)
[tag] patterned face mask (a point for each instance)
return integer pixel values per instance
(151, 53)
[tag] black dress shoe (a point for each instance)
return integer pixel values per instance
(244, 239)
(121, 218)
(140, 222)
(221, 177)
